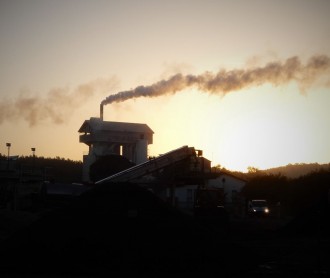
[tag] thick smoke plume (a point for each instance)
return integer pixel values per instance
(57, 105)
(224, 81)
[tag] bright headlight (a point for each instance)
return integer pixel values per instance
(266, 210)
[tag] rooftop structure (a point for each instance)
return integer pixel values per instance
(104, 138)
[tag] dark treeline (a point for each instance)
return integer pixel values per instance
(294, 194)
(310, 191)
(55, 169)
(297, 169)
(295, 187)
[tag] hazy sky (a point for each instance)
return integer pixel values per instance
(60, 59)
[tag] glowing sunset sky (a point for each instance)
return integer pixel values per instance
(60, 59)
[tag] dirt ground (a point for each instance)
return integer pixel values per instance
(283, 251)
(153, 240)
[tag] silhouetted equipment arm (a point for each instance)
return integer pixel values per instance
(152, 165)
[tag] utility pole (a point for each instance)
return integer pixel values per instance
(33, 157)
(8, 145)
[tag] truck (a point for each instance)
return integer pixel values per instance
(258, 208)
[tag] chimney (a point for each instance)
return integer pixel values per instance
(101, 111)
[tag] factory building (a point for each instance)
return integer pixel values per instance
(104, 138)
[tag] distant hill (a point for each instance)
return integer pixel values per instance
(296, 170)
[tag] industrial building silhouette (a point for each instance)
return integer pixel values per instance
(104, 138)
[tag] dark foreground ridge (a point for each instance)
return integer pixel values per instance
(124, 230)
(121, 229)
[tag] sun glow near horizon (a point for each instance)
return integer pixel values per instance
(262, 127)
(273, 128)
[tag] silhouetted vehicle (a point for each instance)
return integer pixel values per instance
(258, 208)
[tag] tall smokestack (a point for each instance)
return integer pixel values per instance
(101, 111)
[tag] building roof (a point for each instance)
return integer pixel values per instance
(221, 174)
(98, 124)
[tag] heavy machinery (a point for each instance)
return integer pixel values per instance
(155, 164)
(208, 202)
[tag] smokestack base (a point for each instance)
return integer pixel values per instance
(101, 111)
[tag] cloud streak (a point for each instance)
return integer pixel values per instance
(276, 73)
(56, 106)
(60, 103)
